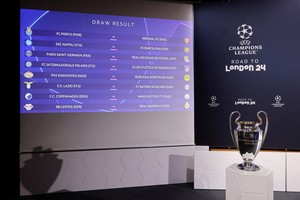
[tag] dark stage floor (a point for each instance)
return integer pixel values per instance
(183, 191)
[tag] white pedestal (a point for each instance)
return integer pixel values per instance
(243, 185)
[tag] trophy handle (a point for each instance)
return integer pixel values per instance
(266, 126)
(230, 125)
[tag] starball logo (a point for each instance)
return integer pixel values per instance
(245, 31)
(243, 50)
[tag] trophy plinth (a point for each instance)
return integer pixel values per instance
(248, 139)
(248, 166)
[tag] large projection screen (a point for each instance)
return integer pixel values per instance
(105, 74)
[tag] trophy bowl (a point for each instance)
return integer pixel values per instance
(248, 139)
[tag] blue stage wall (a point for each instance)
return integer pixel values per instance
(247, 58)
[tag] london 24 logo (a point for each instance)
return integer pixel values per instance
(245, 53)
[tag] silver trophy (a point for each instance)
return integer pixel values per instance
(248, 139)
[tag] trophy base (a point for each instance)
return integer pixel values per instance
(248, 166)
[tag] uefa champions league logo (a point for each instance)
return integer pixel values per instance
(213, 102)
(278, 103)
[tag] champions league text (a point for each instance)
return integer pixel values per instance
(245, 50)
